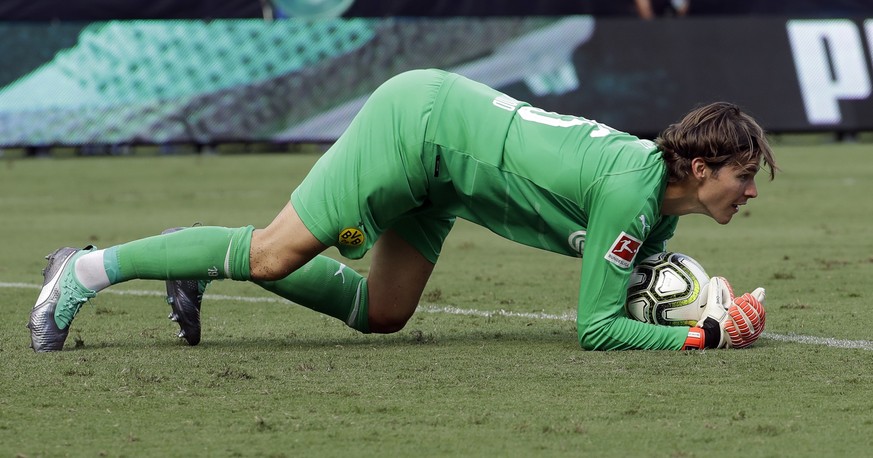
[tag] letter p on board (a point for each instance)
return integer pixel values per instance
(831, 66)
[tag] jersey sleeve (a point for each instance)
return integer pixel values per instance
(615, 238)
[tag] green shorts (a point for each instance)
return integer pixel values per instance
(375, 177)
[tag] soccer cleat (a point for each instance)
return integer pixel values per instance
(60, 299)
(185, 297)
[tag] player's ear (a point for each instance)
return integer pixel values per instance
(699, 168)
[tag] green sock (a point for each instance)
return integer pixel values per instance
(326, 286)
(195, 253)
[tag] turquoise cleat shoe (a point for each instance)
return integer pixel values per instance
(60, 299)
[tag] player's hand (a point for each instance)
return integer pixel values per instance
(746, 319)
(731, 322)
(727, 321)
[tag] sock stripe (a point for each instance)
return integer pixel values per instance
(353, 315)
(227, 259)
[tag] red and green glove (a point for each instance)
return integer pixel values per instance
(728, 321)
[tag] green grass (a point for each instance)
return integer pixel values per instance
(274, 379)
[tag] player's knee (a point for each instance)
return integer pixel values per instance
(281, 248)
(267, 265)
(387, 323)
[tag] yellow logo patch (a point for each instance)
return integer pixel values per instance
(351, 236)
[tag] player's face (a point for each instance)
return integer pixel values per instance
(722, 193)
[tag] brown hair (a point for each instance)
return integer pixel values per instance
(719, 133)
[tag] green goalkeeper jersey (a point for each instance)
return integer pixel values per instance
(561, 183)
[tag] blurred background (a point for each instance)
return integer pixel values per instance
(167, 77)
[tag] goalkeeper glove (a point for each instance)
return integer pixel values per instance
(728, 321)
(747, 318)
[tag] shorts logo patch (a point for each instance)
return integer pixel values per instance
(623, 250)
(351, 236)
(576, 240)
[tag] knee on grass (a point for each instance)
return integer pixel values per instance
(387, 323)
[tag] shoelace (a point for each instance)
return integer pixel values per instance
(66, 312)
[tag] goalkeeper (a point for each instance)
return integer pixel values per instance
(428, 147)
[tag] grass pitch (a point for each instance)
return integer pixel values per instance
(274, 379)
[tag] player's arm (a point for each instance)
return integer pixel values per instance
(602, 322)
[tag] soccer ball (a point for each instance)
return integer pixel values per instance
(668, 289)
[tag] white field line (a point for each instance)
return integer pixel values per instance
(450, 310)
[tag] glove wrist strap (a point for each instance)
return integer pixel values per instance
(712, 330)
(696, 339)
